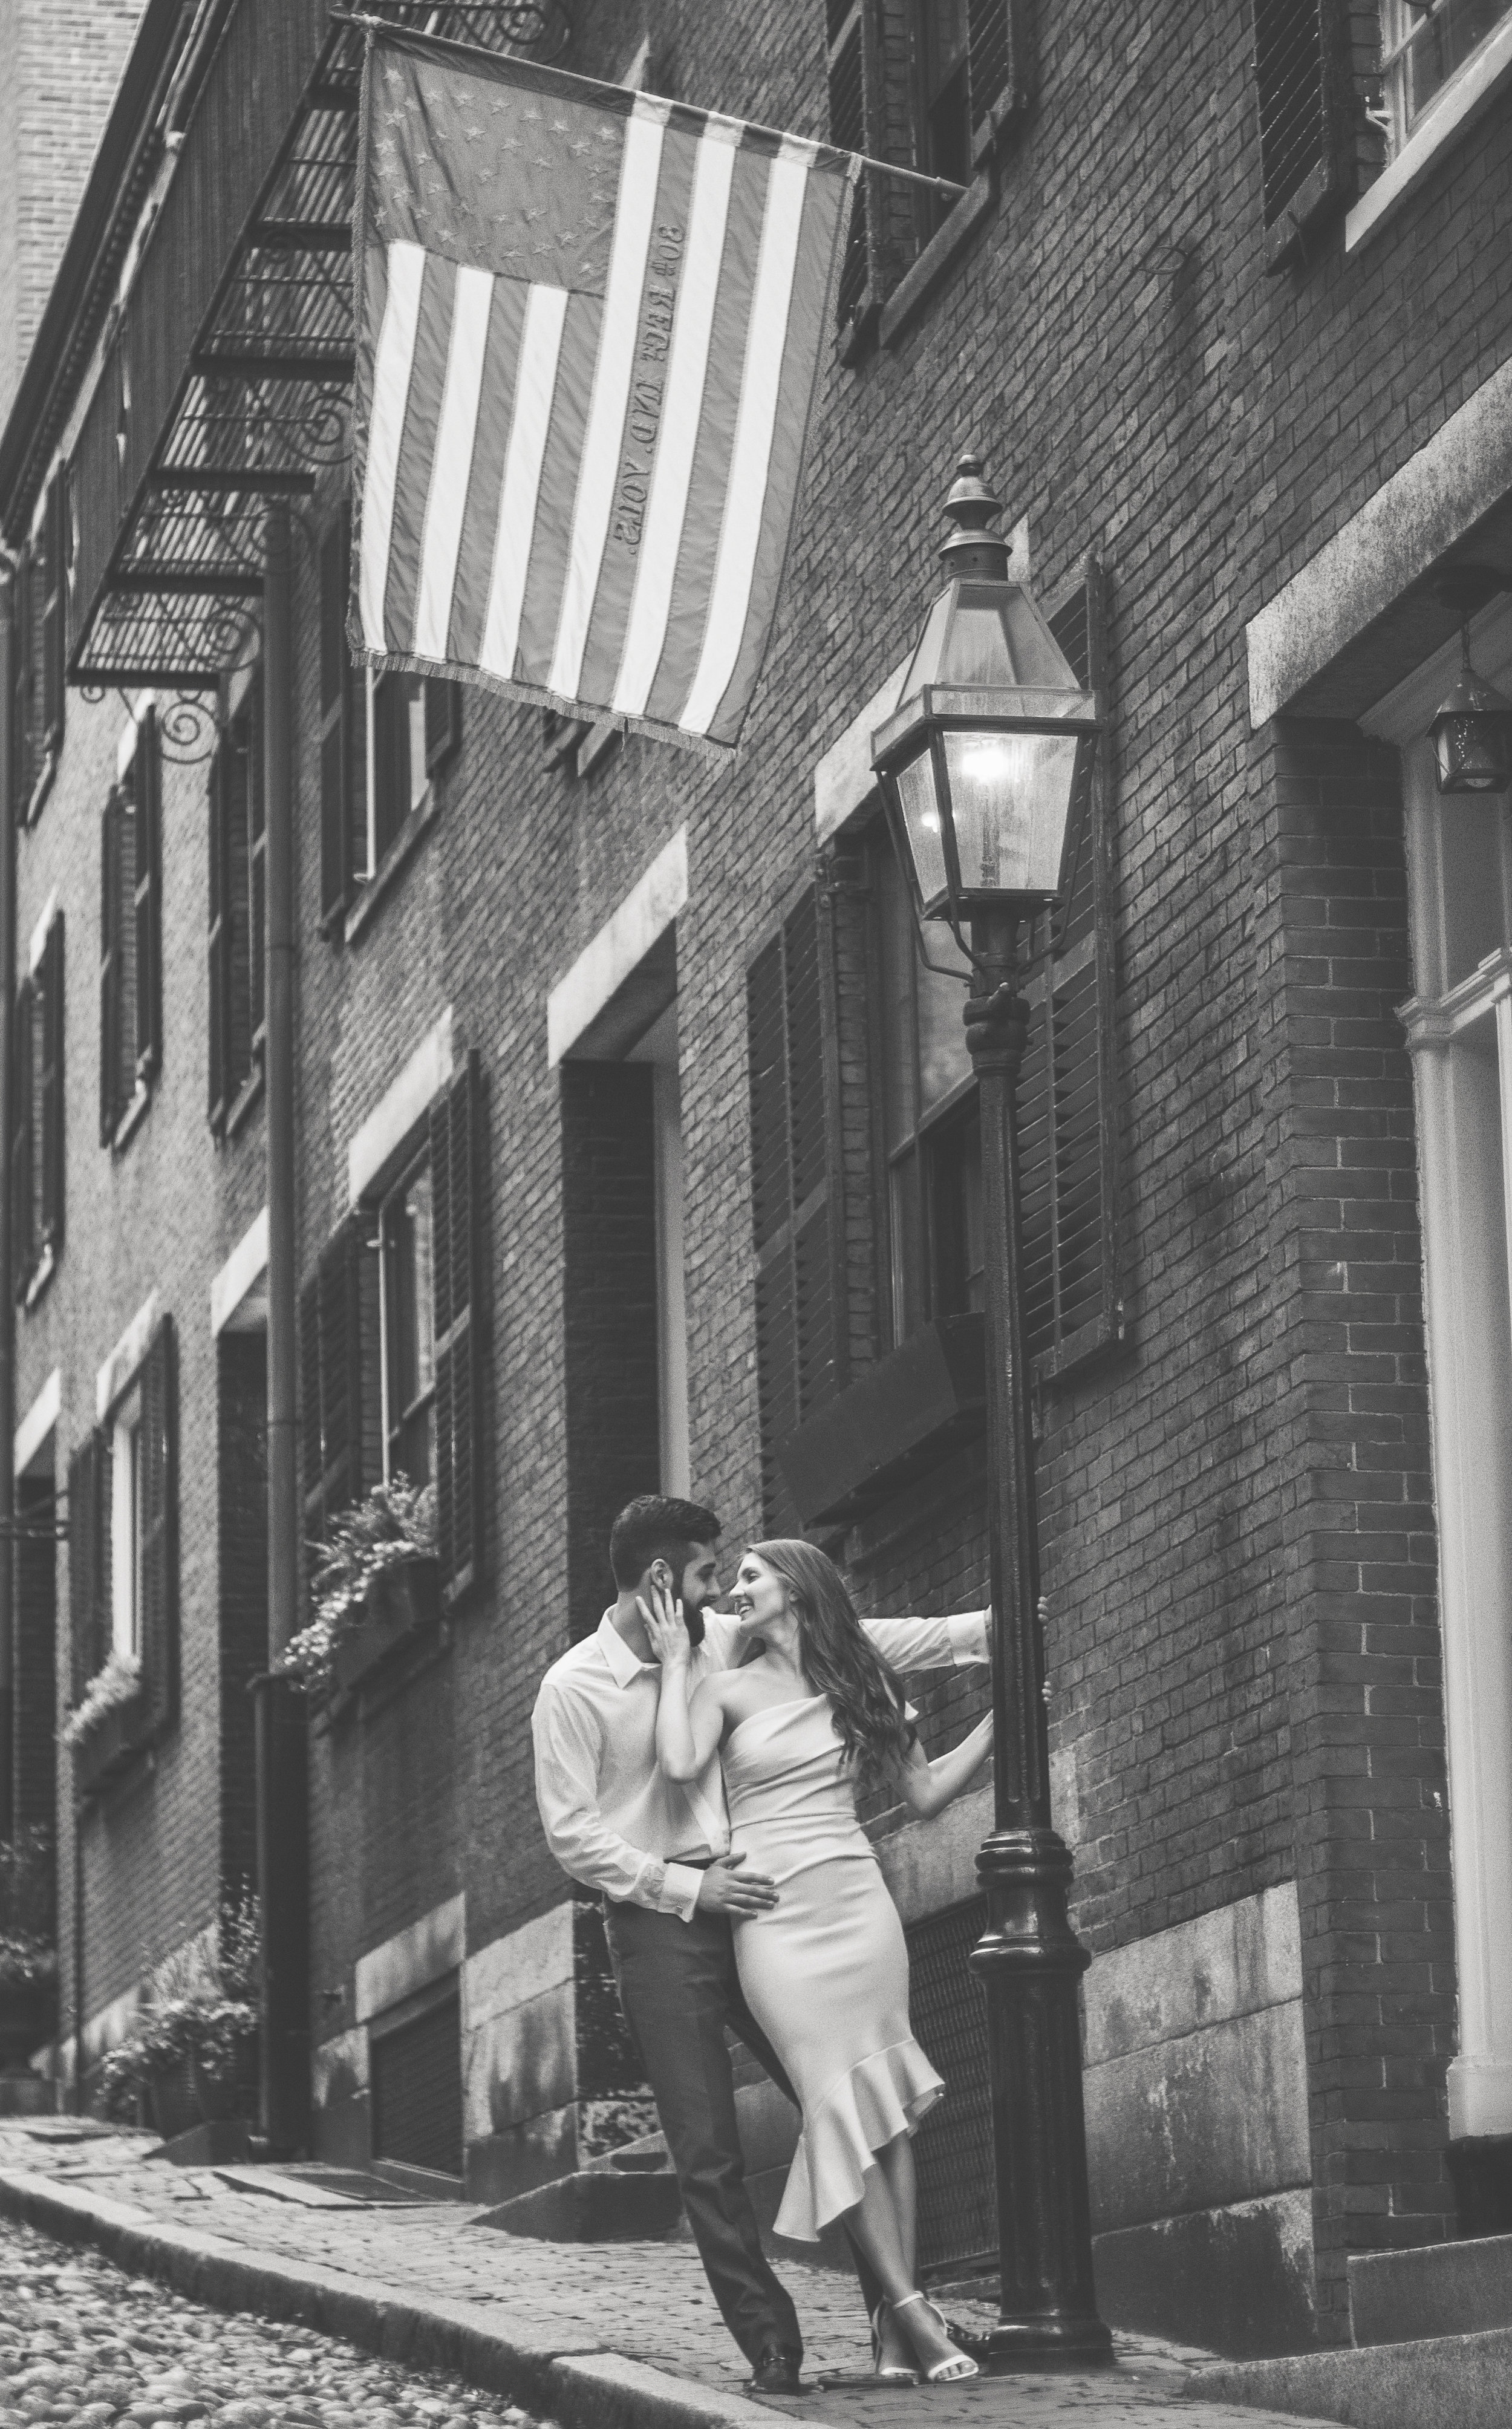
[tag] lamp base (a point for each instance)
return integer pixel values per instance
(1028, 2345)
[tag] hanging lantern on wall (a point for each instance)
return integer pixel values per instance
(1470, 733)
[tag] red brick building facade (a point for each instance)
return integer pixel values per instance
(621, 1071)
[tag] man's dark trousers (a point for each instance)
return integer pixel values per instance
(679, 1988)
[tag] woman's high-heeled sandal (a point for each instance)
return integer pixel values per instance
(888, 2374)
(960, 2364)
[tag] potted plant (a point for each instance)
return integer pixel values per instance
(191, 2054)
(29, 1957)
(105, 1728)
(377, 1581)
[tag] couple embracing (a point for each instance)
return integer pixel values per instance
(700, 1769)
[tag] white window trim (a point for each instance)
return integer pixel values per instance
(240, 1275)
(620, 946)
(400, 1108)
(125, 1358)
(38, 1422)
(1469, 91)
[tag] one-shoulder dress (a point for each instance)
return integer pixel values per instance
(826, 1971)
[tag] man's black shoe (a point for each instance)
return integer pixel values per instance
(777, 2371)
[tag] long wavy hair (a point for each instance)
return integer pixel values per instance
(839, 1658)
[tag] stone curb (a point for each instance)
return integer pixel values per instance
(583, 2388)
(1451, 2381)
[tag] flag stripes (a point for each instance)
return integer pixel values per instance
(580, 416)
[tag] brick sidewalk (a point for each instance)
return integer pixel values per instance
(646, 2302)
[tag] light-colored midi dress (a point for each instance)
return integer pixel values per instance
(826, 1971)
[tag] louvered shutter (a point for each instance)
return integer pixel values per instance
(49, 1127)
(23, 1243)
(456, 1271)
(88, 1644)
(795, 1362)
(23, 711)
(110, 896)
(337, 1406)
(850, 38)
(157, 1449)
(443, 722)
(1000, 35)
(1304, 94)
(53, 637)
(219, 942)
(148, 897)
(338, 736)
(258, 864)
(1067, 1112)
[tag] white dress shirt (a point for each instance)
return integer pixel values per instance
(611, 1820)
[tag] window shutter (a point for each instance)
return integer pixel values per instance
(1303, 90)
(22, 1245)
(110, 893)
(23, 763)
(795, 1328)
(55, 567)
(50, 1128)
(443, 722)
(157, 1451)
(149, 896)
(1067, 1110)
(1001, 51)
(258, 865)
(218, 945)
(458, 1284)
(338, 706)
(86, 1578)
(859, 294)
(331, 1371)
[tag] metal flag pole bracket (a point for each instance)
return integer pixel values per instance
(412, 35)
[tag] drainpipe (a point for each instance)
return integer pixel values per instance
(8, 1301)
(283, 1827)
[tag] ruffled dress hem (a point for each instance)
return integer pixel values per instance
(882, 2097)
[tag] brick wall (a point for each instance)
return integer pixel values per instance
(63, 61)
(1237, 1553)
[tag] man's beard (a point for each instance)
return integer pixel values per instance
(692, 1622)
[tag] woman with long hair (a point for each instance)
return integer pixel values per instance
(816, 1716)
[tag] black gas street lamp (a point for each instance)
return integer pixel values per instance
(981, 767)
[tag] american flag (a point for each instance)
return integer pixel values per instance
(589, 324)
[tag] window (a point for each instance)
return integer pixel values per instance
(791, 1130)
(866, 1135)
(126, 1468)
(37, 1147)
(385, 738)
(237, 901)
(1424, 44)
(122, 1550)
(40, 694)
(406, 1241)
(131, 937)
(578, 744)
(931, 85)
(390, 1379)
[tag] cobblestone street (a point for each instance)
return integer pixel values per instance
(626, 2311)
(81, 2342)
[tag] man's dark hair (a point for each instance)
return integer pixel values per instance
(651, 1528)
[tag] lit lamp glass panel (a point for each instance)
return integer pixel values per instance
(920, 805)
(1010, 794)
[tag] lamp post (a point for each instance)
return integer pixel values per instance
(981, 767)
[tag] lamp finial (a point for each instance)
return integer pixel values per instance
(973, 552)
